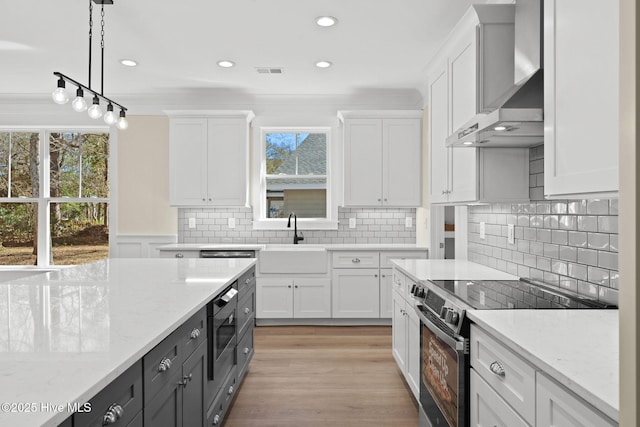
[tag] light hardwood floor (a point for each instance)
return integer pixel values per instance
(306, 376)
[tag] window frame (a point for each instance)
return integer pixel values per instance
(44, 200)
(259, 187)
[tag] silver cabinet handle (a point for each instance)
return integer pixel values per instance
(247, 310)
(179, 255)
(230, 390)
(113, 414)
(185, 380)
(355, 260)
(194, 334)
(231, 318)
(247, 281)
(165, 365)
(497, 369)
(216, 420)
(246, 350)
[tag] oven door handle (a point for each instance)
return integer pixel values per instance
(456, 343)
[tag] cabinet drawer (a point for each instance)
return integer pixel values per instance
(246, 281)
(356, 260)
(193, 332)
(125, 391)
(507, 373)
(219, 407)
(245, 352)
(386, 257)
(489, 409)
(399, 283)
(162, 365)
(559, 407)
(246, 310)
(179, 254)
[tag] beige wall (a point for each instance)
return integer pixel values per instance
(423, 213)
(143, 178)
(629, 295)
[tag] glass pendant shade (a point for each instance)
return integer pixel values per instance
(79, 104)
(60, 95)
(95, 111)
(110, 117)
(122, 123)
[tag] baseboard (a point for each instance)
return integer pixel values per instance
(323, 322)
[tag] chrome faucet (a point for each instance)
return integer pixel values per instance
(296, 238)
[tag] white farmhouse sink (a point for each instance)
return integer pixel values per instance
(293, 259)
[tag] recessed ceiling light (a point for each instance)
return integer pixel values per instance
(467, 143)
(500, 128)
(323, 64)
(326, 21)
(225, 63)
(129, 62)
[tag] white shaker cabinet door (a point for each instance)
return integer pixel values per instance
(228, 162)
(413, 350)
(399, 331)
(274, 298)
(581, 114)
(311, 298)
(488, 408)
(363, 162)
(188, 161)
(402, 161)
(386, 286)
(438, 132)
(356, 293)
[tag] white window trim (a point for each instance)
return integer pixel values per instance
(259, 184)
(43, 201)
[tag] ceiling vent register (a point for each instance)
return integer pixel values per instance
(270, 70)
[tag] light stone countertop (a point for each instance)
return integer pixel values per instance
(65, 335)
(328, 246)
(578, 348)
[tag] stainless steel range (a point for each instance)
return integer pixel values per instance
(444, 362)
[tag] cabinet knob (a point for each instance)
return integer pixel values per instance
(179, 255)
(185, 380)
(246, 350)
(216, 420)
(195, 333)
(113, 414)
(385, 200)
(444, 192)
(497, 368)
(289, 286)
(247, 281)
(379, 200)
(375, 275)
(296, 286)
(247, 310)
(384, 275)
(204, 200)
(355, 260)
(209, 198)
(230, 390)
(165, 365)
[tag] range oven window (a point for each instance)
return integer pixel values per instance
(225, 331)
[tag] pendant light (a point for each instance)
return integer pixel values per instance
(79, 104)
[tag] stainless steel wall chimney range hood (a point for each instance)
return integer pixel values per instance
(519, 121)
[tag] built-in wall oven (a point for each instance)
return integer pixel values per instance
(221, 336)
(444, 341)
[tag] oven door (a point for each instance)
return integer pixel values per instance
(444, 373)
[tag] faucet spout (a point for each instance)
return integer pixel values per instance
(296, 238)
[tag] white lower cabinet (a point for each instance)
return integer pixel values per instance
(356, 293)
(557, 407)
(406, 341)
(293, 298)
(386, 279)
(508, 391)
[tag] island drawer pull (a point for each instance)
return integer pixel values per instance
(497, 369)
(113, 414)
(195, 333)
(246, 350)
(355, 260)
(165, 364)
(247, 310)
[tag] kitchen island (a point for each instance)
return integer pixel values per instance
(65, 335)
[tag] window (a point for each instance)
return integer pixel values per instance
(61, 219)
(294, 177)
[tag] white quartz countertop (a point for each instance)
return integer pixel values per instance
(578, 348)
(328, 246)
(65, 335)
(449, 269)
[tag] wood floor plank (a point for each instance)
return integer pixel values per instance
(312, 376)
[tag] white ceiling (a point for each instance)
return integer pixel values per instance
(381, 44)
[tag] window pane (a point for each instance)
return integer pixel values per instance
(79, 164)
(307, 197)
(19, 162)
(296, 153)
(18, 232)
(79, 232)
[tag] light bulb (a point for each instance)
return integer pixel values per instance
(60, 95)
(110, 117)
(79, 104)
(122, 123)
(95, 111)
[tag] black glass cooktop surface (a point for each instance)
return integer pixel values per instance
(514, 294)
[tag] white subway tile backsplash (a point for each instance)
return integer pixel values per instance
(578, 207)
(598, 241)
(608, 224)
(598, 207)
(567, 222)
(588, 223)
(608, 260)
(588, 256)
(559, 237)
(598, 276)
(578, 238)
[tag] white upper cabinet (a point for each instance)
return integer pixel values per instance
(581, 113)
(208, 158)
(477, 50)
(382, 158)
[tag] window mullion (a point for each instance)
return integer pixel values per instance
(44, 230)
